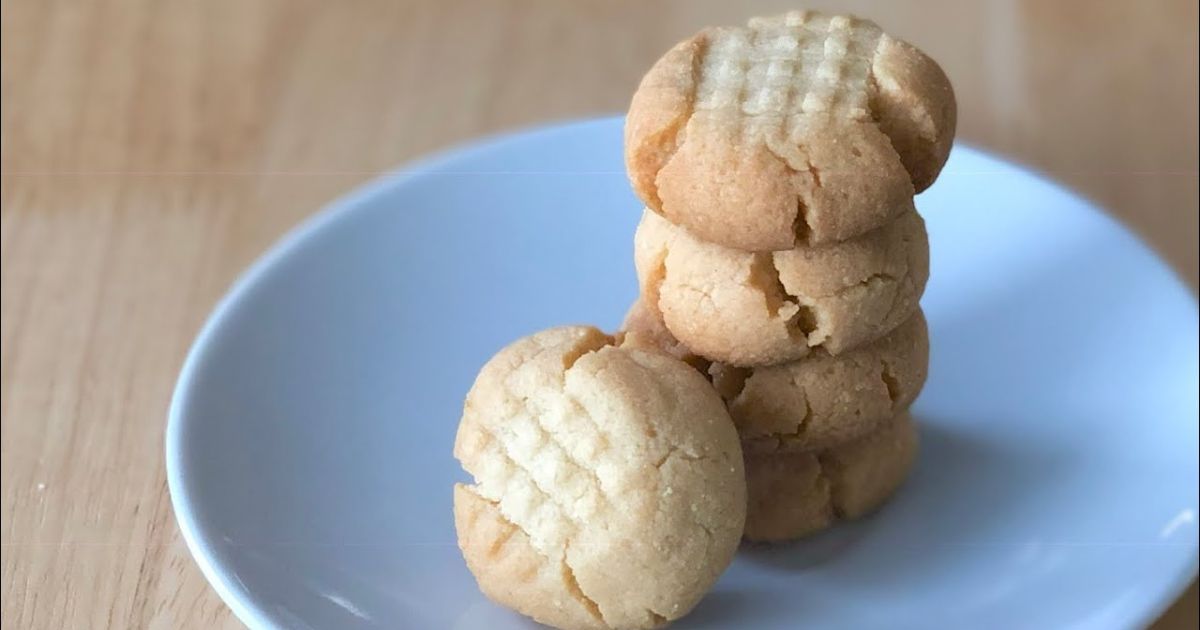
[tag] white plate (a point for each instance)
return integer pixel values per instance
(309, 441)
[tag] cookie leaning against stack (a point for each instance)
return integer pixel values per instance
(781, 252)
(609, 489)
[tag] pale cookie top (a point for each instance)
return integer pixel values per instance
(609, 486)
(800, 128)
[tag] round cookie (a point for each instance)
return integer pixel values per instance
(609, 485)
(762, 308)
(813, 403)
(796, 129)
(823, 400)
(797, 494)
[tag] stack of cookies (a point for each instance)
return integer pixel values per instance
(781, 253)
(761, 385)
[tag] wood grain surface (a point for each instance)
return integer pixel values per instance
(153, 148)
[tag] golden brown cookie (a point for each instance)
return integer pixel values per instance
(609, 485)
(796, 494)
(796, 129)
(746, 308)
(823, 400)
(812, 403)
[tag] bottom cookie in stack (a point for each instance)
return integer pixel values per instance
(794, 494)
(824, 437)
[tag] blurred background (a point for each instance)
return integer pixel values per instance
(153, 148)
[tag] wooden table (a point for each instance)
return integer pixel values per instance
(152, 149)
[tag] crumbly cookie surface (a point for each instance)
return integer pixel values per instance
(609, 485)
(793, 495)
(745, 308)
(800, 128)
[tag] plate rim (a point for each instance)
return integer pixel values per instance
(201, 544)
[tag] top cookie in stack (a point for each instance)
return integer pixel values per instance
(799, 129)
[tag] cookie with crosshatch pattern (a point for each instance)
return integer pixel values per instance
(609, 489)
(800, 128)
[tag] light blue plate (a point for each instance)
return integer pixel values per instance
(309, 441)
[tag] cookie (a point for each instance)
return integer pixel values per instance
(796, 129)
(823, 400)
(609, 485)
(797, 494)
(813, 403)
(761, 308)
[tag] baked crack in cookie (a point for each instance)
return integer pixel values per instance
(760, 308)
(609, 484)
(797, 129)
